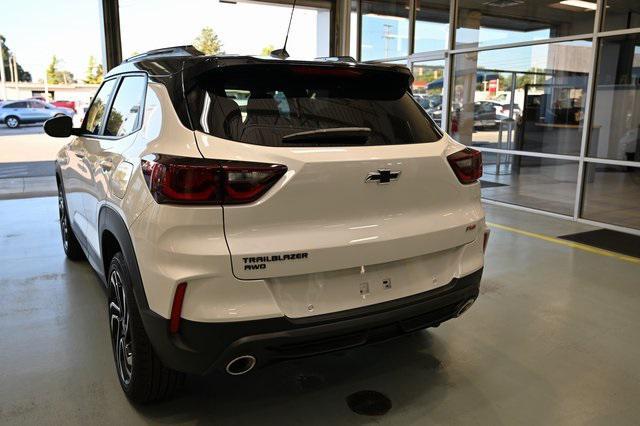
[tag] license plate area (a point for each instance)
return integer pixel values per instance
(334, 291)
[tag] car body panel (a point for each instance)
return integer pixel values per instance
(348, 222)
(428, 227)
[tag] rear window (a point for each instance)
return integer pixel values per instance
(308, 106)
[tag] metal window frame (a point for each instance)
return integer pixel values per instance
(110, 36)
(582, 159)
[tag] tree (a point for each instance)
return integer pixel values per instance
(95, 72)
(55, 76)
(6, 54)
(52, 71)
(208, 42)
(266, 51)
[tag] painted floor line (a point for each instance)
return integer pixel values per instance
(579, 246)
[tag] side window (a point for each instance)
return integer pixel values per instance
(125, 115)
(36, 104)
(93, 120)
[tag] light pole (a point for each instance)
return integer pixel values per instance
(3, 88)
(15, 71)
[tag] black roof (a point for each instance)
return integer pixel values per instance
(178, 68)
(168, 61)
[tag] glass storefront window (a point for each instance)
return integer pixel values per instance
(621, 14)
(223, 27)
(491, 22)
(528, 98)
(612, 194)
(50, 53)
(540, 183)
(432, 25)
(427, 87)
(385, 29)
(615, 127)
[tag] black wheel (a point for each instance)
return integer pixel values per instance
(69, 241)
(12, 122)
(142, 375)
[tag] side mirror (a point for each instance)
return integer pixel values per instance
(59, 127)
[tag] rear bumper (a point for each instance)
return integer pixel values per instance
(202, 347)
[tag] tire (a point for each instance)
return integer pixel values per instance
(12, 122)
(141, 374)
(70, 243)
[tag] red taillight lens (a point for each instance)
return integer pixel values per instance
(181, 180)
(466, 164)
(176, 308)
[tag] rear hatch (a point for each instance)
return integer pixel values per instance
(372, 187)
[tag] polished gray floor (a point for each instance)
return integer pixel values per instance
(553, 339)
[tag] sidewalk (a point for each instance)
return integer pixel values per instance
(29, 147)
(21, 148)
(13, 188)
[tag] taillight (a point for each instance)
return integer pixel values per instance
(466, 164)
(182, 180)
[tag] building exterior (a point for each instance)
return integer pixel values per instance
(80, 93)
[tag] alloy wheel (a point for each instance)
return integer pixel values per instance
(64, 223)
(120, 330)
(12, 122)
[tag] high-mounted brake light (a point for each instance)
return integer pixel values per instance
(181, 180)
(466, 164)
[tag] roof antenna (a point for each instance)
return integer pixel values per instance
(282, 53)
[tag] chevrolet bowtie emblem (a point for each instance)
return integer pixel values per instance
(382, 176)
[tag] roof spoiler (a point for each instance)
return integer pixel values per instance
(187, 50)
(336, 59)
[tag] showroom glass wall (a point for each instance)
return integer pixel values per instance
(45, 59)
(230, 27)
(549, 90)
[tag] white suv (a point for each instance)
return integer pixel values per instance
(243, 211)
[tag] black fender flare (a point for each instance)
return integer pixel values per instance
(156, 326)
(110, 220)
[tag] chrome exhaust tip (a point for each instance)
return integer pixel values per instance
(464, 307)
(241, 365)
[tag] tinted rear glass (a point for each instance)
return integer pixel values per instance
(262, 105)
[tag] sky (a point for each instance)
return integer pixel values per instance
(35, 30)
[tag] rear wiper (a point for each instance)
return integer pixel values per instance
(337, 136)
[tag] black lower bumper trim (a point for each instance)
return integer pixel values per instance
(200, 347)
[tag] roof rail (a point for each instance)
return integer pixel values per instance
(187, 50)
(336, 59)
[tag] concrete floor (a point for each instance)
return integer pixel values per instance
(553, 339)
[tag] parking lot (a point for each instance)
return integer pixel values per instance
(25, 129)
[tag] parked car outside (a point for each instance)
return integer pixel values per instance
(65, 104)
(485, 115)
(432, 104)
(15, 113)
(503, 109)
